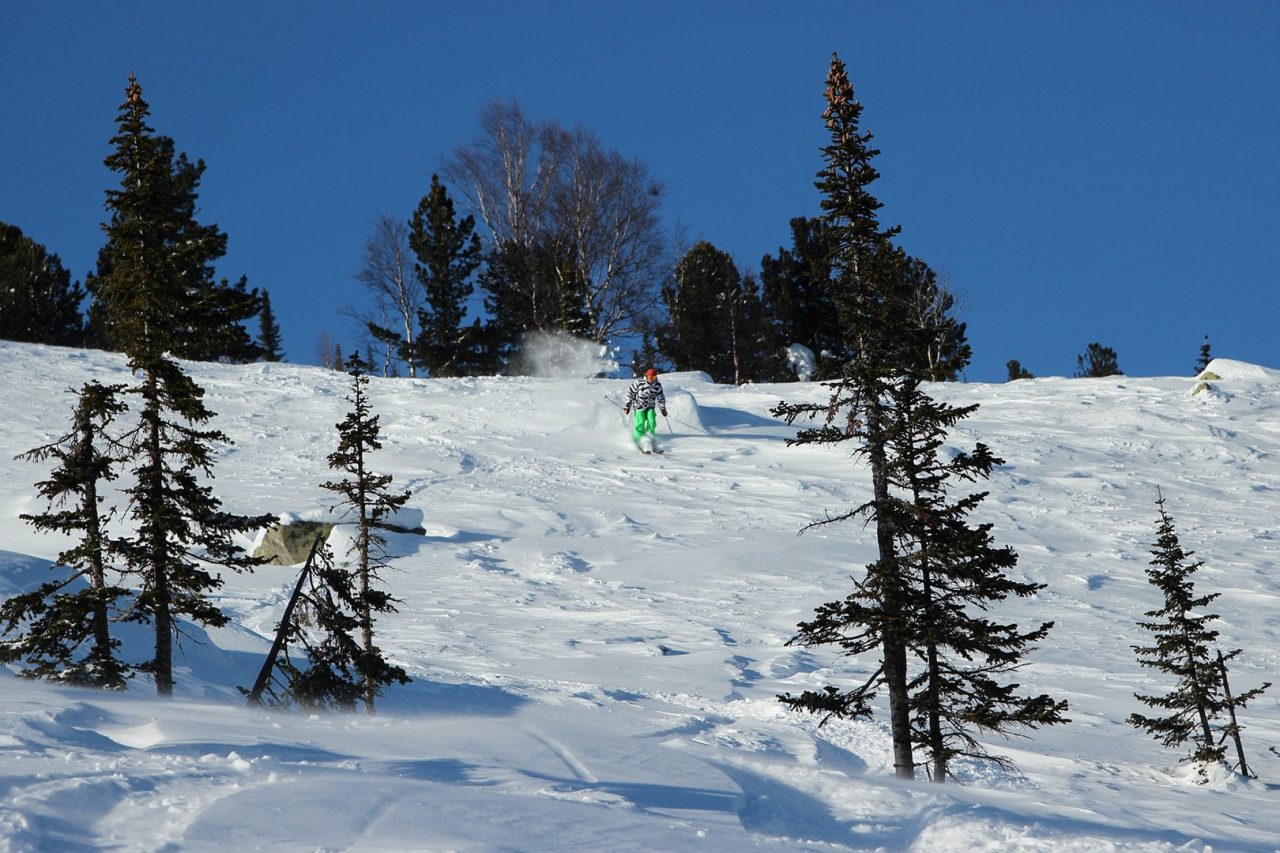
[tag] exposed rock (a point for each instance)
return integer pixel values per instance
(289, 544)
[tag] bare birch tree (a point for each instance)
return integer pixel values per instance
(539, 185)
(386, 272)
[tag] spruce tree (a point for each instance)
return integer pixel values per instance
(38, 302)
(646, 356)
(268, 331)
(871, 307)
(1202, 363)
(796, 292)
(715, 320)
(959, 577)
(1017, 371)
(160, 187)
(1098, 361)
(145, 300)
(527, 289)
(1184, 649)
(366, 497)
(67, 634)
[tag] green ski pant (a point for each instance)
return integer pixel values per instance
(646, 423)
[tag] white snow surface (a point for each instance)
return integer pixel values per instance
(597, 637)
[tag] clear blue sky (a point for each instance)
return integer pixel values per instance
(1082, 171)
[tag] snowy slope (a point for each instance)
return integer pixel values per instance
(597, 637)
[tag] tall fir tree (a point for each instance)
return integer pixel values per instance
(447, 249)
(144, 297)
(871, 307)
(366, 497)
(269, 331)
(205, 319)
(1184, 649)
(39, 304)
(67, 633)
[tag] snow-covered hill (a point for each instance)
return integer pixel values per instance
(596, 637)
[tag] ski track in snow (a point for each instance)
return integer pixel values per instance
(597, 637)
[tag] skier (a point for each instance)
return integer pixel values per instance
(643, 395)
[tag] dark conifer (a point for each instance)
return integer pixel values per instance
(1097, 361)
(527, 289)
(268, 331)
(935, 576)
(1205, 357)
(158, 187)
(366, 497)
(796, 292)
(65, 623)
(958, 576)
(447, 250)
(39, 304)
(1184, 648)
(715, 320)
(646, 356)
(872, 309)
(144, 300)
(1017, 371)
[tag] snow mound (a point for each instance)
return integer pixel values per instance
(801, 361)
(683, 411)
(1226, 368)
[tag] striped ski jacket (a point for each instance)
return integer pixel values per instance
(644, 394)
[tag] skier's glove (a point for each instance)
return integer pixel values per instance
(664, 413)
(626, 410)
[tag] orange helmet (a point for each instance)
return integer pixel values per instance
(651, 374)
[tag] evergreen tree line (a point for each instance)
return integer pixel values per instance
(562, 236)
(424, 276)
(155, 557)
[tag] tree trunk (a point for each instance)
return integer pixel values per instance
(1201, 700)
(1231, 709)
(362, 543)
(98, 579)
(893, 644)
(936, 745)
(156, 554)
(282, 631)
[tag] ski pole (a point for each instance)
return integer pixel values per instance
(669, 429)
